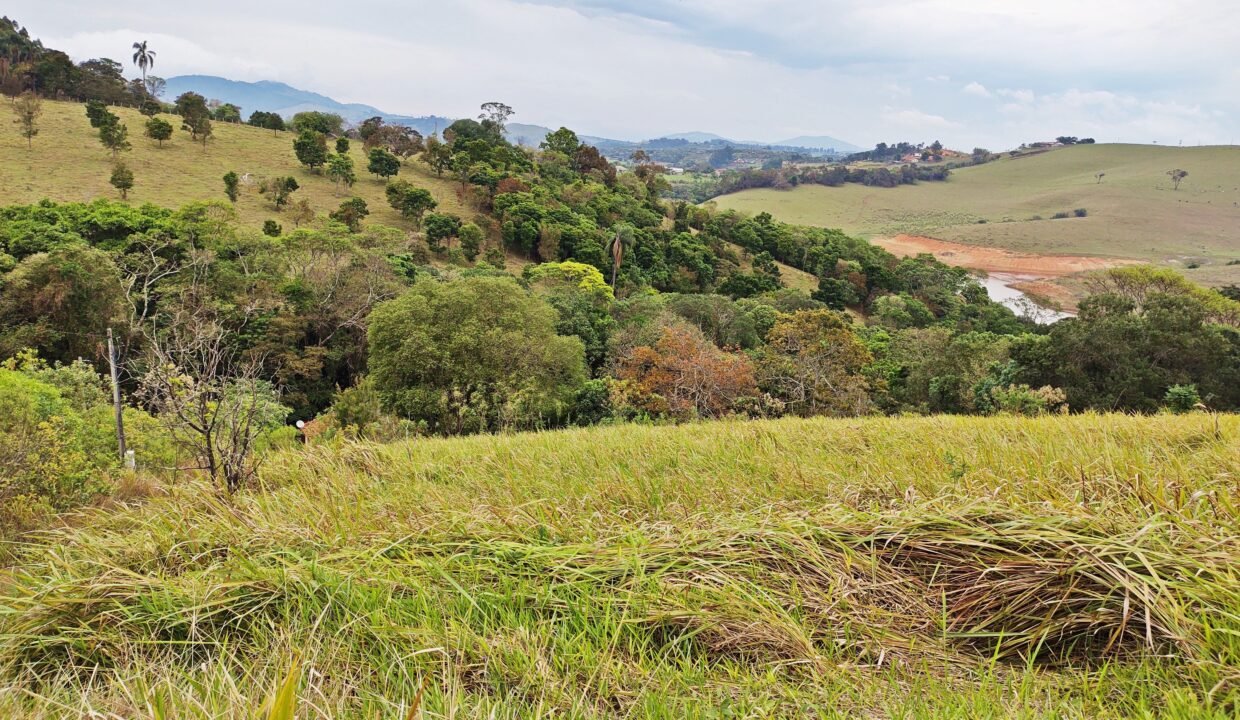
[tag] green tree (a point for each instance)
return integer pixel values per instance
(1121, 355)
(144, 58)
(278, 189)
(271, 228)
(470, 236)
(200, 128)
(232, 186)
(190, 103)
(813, 363)
(60, 303)
(195, 116)
(340, 170)
(494, 118)
(437, 154)
(411, 202)
(319, 122)
(158, 130)
(268, 120)
(311, 149)
(122, 179)
(440, 227)
(383, 163)
(563, 141)
(114, 135)
(342, 145)
(28, 108)
(96, 112)
(475, 354)
(227, 112)
(581, 298)
(351, 213)
(150, 107)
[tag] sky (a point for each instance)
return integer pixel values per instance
(971, 73)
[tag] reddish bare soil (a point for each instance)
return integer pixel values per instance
(996, 259)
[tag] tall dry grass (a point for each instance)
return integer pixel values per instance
(941, 567)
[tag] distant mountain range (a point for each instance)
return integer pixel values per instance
(815, 142)
(287, 100)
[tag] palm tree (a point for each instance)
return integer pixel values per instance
(143, 58)
(616, 246)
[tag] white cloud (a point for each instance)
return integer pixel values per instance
(1020, 96)
(1129, 70)
(976, 88)
(916, 119)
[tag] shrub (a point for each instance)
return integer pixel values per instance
(46, 465)
(495, 257)
(1080, 212)
(1060, 216)
(357, 407)
(1024, 400)
(1182, 398)
(271, 228)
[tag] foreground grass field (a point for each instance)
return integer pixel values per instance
(1133, 213)
(66, 163)
(1059, 567)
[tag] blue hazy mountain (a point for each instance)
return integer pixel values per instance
(287, 101)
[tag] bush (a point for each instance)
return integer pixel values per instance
(1080, 212)
(593, 404)
(47, 464)
(495, 258)
(357, 407)
(1024, 400)
(1182, 398)
(1060, 216)
(271, 228)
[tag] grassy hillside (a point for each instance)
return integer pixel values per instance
(67, 163)
(1059, 567)
(1133, 213)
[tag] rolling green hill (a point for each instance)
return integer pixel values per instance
(1133, 213)
(67, 163)
(934, 567)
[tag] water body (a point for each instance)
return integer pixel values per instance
(999, 287)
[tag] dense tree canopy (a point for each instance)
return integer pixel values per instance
(473, 355)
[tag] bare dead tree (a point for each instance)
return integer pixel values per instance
(210, 394)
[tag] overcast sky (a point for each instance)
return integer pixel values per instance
(969, 72)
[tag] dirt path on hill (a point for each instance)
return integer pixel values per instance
(996, 260)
